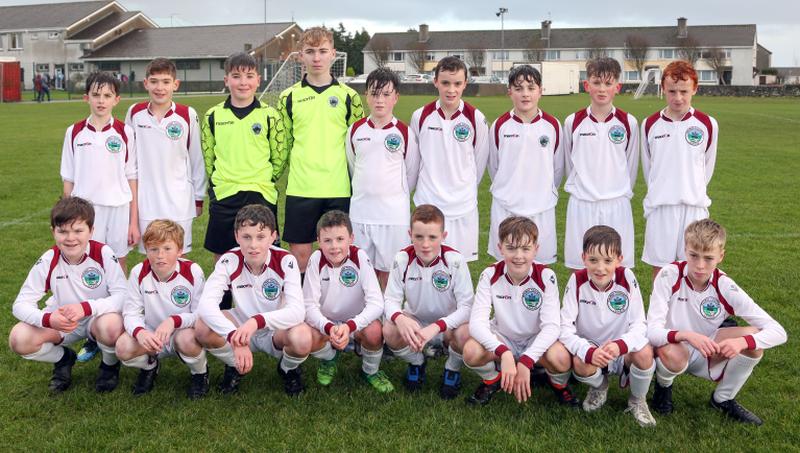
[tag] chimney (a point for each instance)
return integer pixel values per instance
(546, 31)
(423, 32)
(683, 32)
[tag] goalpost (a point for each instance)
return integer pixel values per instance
(291, 72)
(649, 77)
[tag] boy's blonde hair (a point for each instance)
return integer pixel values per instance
(516, 229)
(315, 36)
(705, 235)
(163, 230)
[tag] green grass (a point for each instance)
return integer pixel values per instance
(755, 195)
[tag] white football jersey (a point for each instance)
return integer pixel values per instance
(590, 317)
(675, 305)
(521, 312)
(97, 283)
(348, 293)
(453, 154)
(274, 297)
(440, 292)
(529, 156)
(678, 159)
(100, 163)
(601, 155)
(151, 301)
(171, 169)
(382, 165)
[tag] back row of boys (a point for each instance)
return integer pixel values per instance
(141, 170)
(511, 323)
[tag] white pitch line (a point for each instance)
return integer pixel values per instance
(24, 219)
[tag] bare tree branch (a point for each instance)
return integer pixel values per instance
(596, 49)
(689, 49)
(381, 49)
(636, 47)
(418, 55)
(716, 59)
(535, 51)
(476, 56)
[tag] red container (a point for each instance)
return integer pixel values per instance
(10, 89)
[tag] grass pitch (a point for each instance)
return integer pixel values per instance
(755, 196)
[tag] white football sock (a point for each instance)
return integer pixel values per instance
(109, 354)
(370, 361)
(197, 365)
(595, 380)
(326, 353)
(736, 373)
(559, 380)
(288, 363)
(640, 380)
(487, 372)
(224, 354)
(143, 362)
(49, 353)
(414, 358)
(454, 360)
(664, 376)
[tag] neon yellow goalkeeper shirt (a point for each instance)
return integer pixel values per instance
(316, 120)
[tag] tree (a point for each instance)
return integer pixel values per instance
(535, 51)
(381, 48)
(636, 47)
(716, 59)
(689, 49)
(352, 45)
(418, 56)
(597, 48)
(476, 56)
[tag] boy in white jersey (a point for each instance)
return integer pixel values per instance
(172, 173)
(429, 292)
(268, 311)
(453, 143)
(601, 149)
(689, 303)
(343, 300)
(525, 327)
(525, 151)
(603, 325)
(679, 150)
(98, 163)
(383, 163)
(160, 312)
(88, 290)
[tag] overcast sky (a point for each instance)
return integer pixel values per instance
(778, 21)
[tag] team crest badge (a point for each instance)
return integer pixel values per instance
(181, 296)
(257, 128)
(694, 135)
(544, 140)
(271, 289)
(348, 276)
(441, 280)
(462, 132)
(532, 299)
(393, 142)
(333, 101)
(174, 130)
(114, 144)
(616, 134)
(91, 278)
(710, 307)
(617, 302)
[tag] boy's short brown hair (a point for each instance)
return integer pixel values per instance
(679, 70)
(705, 235)
(427, 213)
(255, 215)
(334, 218)
(450, 64)
(604, 239)
(71, 209)
(240, 60)
(603, 67)
(161, 66)
(516, 228)
(315, 36)
(163, 230)
(97, 79)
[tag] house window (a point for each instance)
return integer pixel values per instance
(15, 41)
(706, 53)
(187, 64)
(707, 76)
(500, 55)
(633, 76)
(430, 56)
(552, 55)
(666, 54)
(582, 75)
(76, 67)
(42, 67)
(457, 55)
(397, 56)
(53, 35)
(2, 39)
(34, 36)
(108, 66)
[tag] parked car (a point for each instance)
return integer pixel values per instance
(485, 79)
(417, 78)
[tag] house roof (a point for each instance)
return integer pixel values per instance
(571, 38)
(211, 41)
(104, 25)
(50, 15)
(788, 71)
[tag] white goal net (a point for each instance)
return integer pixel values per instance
(291, 72)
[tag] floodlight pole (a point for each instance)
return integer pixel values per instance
(501, 14)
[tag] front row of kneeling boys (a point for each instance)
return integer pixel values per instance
(600, 328)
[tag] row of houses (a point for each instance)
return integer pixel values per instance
(68, 40)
